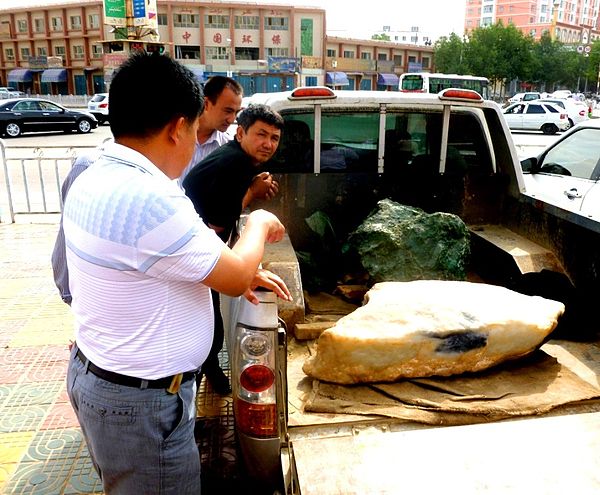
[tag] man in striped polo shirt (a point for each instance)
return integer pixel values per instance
(141, 265)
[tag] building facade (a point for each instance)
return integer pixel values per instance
(571, 22)
(70, 48)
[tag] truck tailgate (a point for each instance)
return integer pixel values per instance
(549, 455)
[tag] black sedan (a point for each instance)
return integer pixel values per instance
(20, 115)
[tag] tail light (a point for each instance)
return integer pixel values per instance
(254, 355)
(103, 105)
(563, 116)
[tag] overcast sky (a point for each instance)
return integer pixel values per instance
(362, 18)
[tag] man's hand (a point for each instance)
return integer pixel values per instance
(275, 228)
(264, 186)
(268, 280)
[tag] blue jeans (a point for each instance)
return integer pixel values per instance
(140, 440)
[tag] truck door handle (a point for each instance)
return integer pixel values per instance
(572, 193)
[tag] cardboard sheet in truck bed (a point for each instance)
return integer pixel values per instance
(558, 375)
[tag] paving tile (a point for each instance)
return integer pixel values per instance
(84, 478)
(60, 416)
(38, 478)
(12, 448)
(22, 419)
(29, 394)
(55, 445)
(41, 332)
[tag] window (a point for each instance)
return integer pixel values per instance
(331, 53)
(348, 54)
(39, 25)
(488, 9)
(535, 109)
(414, 39)
(163, 20)
(21, 25)
(59, 51)
(9, 53)
(42, 51)
(186, 20)
(381, 56)
(216, 21)
(75, 22)
(397, 59)
(94, 21)
(276, 23)
(247, 22)
(78, 51)
(57, 24)
(97, 51)
(311, 80)
(25, 53)
(278, 52)
(187, 52)
(217, 52)
(365, 56)
(425, 62)
(247, 53)
(575, 154)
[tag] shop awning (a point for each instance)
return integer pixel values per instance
(198, 72)
(19, 75)
(54, 75)
(387, 79)
(336, 79)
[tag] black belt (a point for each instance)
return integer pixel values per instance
(131, 381)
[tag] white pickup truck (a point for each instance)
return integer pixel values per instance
(341, 152)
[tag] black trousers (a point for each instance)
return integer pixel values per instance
(212, 361)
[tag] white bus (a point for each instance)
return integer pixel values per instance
(429, 82)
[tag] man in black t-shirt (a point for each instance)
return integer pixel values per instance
(222, 185)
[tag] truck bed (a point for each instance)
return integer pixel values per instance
(551, 453)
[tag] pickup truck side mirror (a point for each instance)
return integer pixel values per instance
(529, 165)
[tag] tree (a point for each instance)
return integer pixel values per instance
(448, 54)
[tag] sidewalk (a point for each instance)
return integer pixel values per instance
(41, 446)
(42, 451)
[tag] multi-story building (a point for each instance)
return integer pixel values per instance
(370, 64)
(73, 48)
(572, 22)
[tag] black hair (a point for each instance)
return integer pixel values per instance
(148, 91)
(247, 117)
(216, 84)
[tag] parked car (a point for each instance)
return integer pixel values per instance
(532, 95)
(561, 93)
(566, 174)
(98, 107)
(21, 115)
(577, 111)
(534, 116)
(6, 92)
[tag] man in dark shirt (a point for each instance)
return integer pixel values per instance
(222, 185)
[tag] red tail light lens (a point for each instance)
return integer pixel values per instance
(103, 105)
(257, 378)
(259, 420)
(462, 94)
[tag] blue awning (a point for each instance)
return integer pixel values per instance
(198, 72)
(19, 75)
(387, 79)
(336, 79)
(54, 76)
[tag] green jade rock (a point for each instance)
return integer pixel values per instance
(402, 243)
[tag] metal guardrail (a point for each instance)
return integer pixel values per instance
(33, 177)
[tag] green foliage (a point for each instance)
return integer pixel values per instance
(503, 53)
(381, 37)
